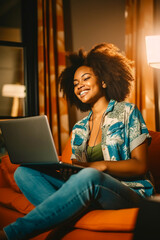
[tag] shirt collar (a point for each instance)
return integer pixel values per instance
(110, 107)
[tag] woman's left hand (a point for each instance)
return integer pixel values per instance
(99, 165)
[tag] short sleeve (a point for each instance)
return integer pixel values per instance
(138, 131)
(73, 156)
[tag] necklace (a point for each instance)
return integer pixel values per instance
(96, 135)
(97, 132)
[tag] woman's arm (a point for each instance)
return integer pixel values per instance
(136, 166)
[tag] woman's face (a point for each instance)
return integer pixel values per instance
(86, 85)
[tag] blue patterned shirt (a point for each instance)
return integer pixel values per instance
(123, 129)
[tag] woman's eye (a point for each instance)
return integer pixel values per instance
(86, 78)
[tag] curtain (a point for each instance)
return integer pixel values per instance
(51, 61)
(139, 23)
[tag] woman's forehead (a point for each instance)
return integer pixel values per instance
(82, 71)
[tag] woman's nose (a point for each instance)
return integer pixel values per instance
(80, 85)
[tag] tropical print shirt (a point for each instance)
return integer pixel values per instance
(123, 129)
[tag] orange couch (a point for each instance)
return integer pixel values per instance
(96, 224)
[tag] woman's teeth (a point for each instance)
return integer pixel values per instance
(83, 92)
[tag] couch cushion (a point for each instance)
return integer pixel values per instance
(8, 170)
(8, 215)
(109, 220)
(14, 200)
(3, 182)
(79, 234)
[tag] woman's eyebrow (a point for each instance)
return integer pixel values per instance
(81, 76)
(85, 74)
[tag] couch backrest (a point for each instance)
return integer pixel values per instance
(153, 153)
(66, 154)
(154, 158)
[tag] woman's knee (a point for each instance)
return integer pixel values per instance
(90, 174)
(21, 174)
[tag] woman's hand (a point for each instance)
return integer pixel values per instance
(99, 165)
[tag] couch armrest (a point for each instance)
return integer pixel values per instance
(154, 158)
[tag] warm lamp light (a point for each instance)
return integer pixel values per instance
(15, 91)
(153, 50)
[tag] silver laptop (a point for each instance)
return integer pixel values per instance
(29, 141)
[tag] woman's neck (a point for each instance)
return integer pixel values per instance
(99, 107)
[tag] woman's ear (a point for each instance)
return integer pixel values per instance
(104, 85)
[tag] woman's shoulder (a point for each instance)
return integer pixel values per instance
(126, 104)
(82, 123)
(124, 107)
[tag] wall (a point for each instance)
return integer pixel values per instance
(89, 22)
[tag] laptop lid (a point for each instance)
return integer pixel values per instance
(29, 140)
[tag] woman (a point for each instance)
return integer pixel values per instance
(111, 143)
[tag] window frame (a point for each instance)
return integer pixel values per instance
(30, 54)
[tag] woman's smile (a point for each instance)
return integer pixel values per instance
(83, 93)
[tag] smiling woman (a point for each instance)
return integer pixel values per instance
(100, 81)
(110, 143)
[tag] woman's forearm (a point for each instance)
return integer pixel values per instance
(136, 166)
(123, 168)
(126, 168)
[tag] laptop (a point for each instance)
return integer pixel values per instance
(29, 142)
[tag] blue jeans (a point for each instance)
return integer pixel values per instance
(59, 201)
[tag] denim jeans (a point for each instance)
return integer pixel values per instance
(57, 201)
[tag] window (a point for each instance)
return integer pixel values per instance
(12, 82)
(18, 58)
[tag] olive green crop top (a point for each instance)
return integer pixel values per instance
(94, 153)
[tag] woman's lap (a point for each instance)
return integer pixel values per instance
(112, 193)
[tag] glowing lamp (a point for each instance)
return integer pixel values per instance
(15, 91)
(153, 50)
